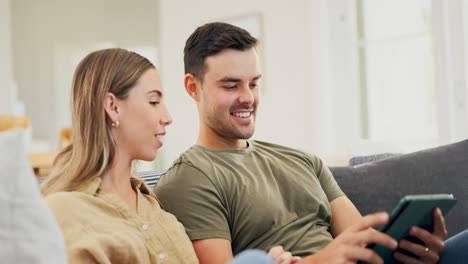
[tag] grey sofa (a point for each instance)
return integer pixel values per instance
(379, 185)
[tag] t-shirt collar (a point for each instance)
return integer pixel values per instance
(250, 147)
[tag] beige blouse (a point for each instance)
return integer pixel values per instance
(101, 228)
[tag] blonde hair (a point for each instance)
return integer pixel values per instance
(92, 149)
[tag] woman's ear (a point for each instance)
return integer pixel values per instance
(111, 108)
(192, 86)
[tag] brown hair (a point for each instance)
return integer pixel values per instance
(92, 149)
(210, 39)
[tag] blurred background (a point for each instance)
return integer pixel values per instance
(341, 78)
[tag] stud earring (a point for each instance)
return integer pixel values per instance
(116, 124)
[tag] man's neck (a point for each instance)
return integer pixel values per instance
(217, 142)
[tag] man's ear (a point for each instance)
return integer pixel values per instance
(192, 86)
(111, 108)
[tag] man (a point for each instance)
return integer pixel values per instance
(232, 193)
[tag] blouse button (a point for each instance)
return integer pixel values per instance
(144, 227)
(162, 256)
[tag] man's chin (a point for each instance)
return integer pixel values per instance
(245, 135)
(234, 132)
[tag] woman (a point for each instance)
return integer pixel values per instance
(107, 216)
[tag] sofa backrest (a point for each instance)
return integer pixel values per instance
(151, 178)
(380, 185)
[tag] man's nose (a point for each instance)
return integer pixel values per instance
(247, 96)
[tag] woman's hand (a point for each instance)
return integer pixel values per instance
(281, 256)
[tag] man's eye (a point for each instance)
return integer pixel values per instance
(254, 85)
(154, 102)
(230, 87)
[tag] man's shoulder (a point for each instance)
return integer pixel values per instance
(203, 160)
(194, 156)
(271, 145)
(192, 166)
(288, 154)
(198, 164)
(191, 175)
(194, 159)
(268, 146)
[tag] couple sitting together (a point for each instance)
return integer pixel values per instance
(227, 198)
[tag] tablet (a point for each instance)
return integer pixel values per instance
(412, 210)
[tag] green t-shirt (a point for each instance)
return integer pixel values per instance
(259, 197)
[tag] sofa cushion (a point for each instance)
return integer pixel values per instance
(28, 231)
(380, 185)
(151, 177)
(359, 160)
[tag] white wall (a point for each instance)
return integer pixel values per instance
(296, 106)
(299, 107)
(6, 66)
(42, 27)
(464, 11)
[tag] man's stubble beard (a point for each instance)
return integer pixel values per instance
(226, 129)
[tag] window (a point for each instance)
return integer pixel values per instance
(404, 64)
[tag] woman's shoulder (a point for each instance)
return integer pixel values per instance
(68, 197)
(69, 203)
